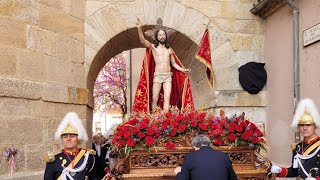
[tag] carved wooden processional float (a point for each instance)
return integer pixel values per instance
(151, 146)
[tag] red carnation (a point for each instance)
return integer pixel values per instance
(143, 125)
(173, 132)
(174, 124)
(119, 128)
(243, 124)
(211, 133)
(168, 115)
(130, 142)
(258, 132)
(114, 141)
(170, 145)
(119, 133)
(149, 140)
(247, 122)
(245, 136)
(125, 128)
(250, 132)
(126, 134)
(201, 118)
(117, 137)
(164, 125)
(133, 121)
(121, 143)
(232, 124)
(253, 126)
(157, 135)
(179, 117)
(191, 116)
(203, 126)
(167, 121)
(239, 128)
(156, 129)
(146, 120)
(213, 126)
(217, 142)
(231, 129)
(218, 131)
(150, 132)
(262, 140)
(254, 139)
(232, 137)
(141, 135)
(134, 130)
(182, 128)
(193, 123)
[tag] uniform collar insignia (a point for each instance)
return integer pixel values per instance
(311, 140)
(74, 152)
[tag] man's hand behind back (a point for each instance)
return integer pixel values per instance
(177, 170)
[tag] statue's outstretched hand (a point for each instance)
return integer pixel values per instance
(186, 70)
(275, 169)
(139, 24)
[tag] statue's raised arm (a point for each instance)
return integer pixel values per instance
(144, 42)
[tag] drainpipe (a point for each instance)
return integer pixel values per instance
(295, 58)
(130, 81)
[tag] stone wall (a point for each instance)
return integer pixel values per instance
(52, 51)
(42, 76)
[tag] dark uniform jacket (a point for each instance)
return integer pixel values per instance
(63, 159)
(207, 164)
(311, 165)
(101, 161)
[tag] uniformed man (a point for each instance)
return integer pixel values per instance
(72, 163)
(306, 154)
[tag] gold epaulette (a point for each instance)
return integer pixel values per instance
(91, 151)
(293, 146)
(49, 157)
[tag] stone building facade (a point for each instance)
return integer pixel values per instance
(52, 51)
(279, 58)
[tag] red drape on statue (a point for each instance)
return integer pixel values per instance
(181, 94)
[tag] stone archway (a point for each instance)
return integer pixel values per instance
(111, 30)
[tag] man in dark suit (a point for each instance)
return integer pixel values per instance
(205, 163)
(101, 148)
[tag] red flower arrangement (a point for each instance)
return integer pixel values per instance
(144, 130)
(238, 131)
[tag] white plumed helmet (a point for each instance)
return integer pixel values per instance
(306, 113)
(71, 124)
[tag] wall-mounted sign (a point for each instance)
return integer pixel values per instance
(311, 35)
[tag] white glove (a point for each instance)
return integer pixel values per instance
(276, 169)
(310, 178)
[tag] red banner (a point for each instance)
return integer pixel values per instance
(203, 54)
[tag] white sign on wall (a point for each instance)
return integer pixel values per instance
(311, 35)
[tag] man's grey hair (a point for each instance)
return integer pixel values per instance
(201, 140)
